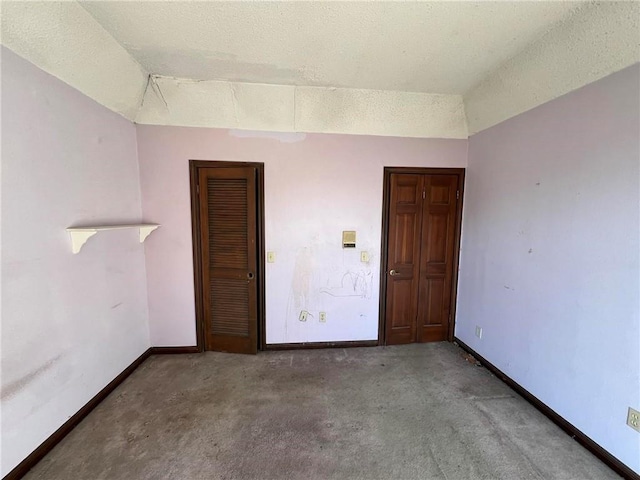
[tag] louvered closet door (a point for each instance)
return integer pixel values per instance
(228, 212)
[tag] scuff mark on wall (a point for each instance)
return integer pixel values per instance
(326, 280)
(12, 388)
(302, 278)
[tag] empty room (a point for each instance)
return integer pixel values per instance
(320, 240)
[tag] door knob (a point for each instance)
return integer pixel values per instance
(393, 273)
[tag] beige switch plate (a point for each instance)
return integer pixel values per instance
(271, 257)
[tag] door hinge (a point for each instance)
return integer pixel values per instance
(197, 189)
(457, 194)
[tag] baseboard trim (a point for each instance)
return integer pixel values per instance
(45, 447)
(611, 461)
(173, 350)
(314, 345)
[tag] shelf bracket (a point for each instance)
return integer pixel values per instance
(146, 231)
(79, 238)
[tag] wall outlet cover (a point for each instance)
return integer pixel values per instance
(633, 419)
(323, 317)
(478, 332)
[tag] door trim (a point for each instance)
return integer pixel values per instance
(386, 189)
(194, 168)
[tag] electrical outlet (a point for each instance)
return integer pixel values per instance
(303, 316)
(323, 317)
(633, 419)
(478, 331)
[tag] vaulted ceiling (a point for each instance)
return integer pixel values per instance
(439, 47)
(439, 69)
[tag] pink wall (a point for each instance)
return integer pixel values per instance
(550, 256)
(316, 186)
(70, 323)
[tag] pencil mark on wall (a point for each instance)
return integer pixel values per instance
(352, 284)
(116, 305)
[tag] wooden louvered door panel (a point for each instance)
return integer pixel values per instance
(422, 219)
(228, 214)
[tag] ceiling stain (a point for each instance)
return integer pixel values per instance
(281, 137)
(206, 65)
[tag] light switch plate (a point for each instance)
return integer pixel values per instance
(271, 257)
(364, 256)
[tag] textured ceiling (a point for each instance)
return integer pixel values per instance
(431, 47)
(441, 69)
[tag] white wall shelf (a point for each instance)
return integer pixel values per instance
(80, 235)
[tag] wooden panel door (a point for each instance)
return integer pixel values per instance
(436, 257)
(228, 236)
(403, 261)
(421, 239)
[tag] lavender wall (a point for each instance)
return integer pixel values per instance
(316, 186)
(550, 250)
(550, 253)
(70, 323)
